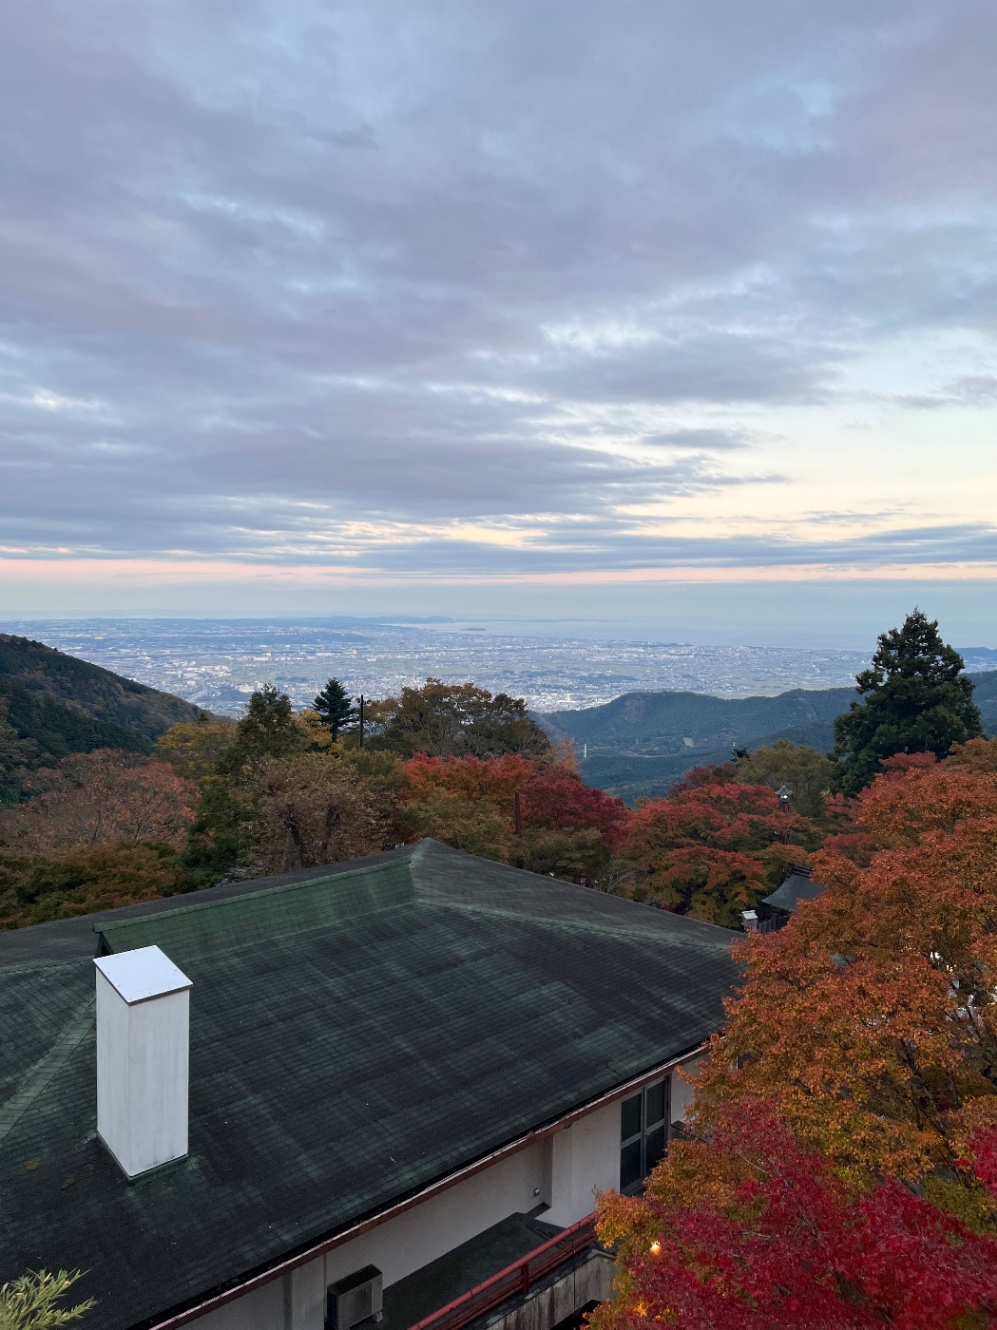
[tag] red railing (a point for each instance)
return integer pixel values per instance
(515, 1278)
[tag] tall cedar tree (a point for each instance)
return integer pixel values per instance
(916, 700)
(335, 707)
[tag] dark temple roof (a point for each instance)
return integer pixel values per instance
(795, 887)
(355, 1036)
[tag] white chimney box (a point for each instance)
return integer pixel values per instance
(143, 1049)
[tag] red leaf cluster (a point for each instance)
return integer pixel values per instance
(779, 1243)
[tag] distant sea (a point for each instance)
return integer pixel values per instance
(218, 662)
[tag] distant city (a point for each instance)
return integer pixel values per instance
(219, 662)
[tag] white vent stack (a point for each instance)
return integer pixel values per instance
(143, 1050)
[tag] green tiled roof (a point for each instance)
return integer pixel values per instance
(355, 1036)
(795, 887)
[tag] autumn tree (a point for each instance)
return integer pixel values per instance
(714, 847)
(843, 1161)
(869, 1022)
(808, 774)
(915, 699)
(455, 720)
(335, 708)
(57, 884)
(104, 798)
(751, 1230)
(221, 837)
(533, 815)
(555, 799)
(195, 748)
(312, 810)
(466, 802)
(979, 755)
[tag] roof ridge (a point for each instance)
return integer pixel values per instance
(115, 925)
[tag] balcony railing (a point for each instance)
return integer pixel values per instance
(514, 1279)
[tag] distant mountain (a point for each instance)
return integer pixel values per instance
(640, 743)
(98, 693)
(985, 697)
(52, 705)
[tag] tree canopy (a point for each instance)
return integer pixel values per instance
(915, 699)
(455, 720)
(842, 1157)
(753, 1231)
(715, 846)
(809, 775)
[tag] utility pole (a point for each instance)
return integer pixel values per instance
(361, 700)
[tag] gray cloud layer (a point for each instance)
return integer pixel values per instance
(272, 268)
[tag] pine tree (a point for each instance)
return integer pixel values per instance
(335, 707)
(915, 700)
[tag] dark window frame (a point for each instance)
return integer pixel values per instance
(643, 1133)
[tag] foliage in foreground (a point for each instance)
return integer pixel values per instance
(750, 1230)
(870, 1020)
(843, 1159)
(31, 1302)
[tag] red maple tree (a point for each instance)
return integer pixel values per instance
(752, 1231)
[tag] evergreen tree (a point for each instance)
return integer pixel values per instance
(31, 1302)
(915, 700)
(336, 708)
(268, 729)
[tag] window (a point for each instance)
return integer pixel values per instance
(643, 1134)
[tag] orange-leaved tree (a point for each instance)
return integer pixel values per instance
(842, 1165)
(535, 814)
(714, 846)
(870, 1020)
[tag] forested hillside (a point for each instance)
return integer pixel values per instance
(88, 688)
(640, 743)
(53, 705)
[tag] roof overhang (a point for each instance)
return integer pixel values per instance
(326, 1244)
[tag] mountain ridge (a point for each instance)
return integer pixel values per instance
(97, 692)
(640, 743)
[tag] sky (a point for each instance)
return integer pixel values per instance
(679, 314)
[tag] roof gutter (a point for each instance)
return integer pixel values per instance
(434, 1189)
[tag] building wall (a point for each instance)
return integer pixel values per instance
(681, 1091)
(584, 1159)
(563, 1172)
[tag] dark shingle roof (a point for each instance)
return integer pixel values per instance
(355, 1036)
(795, 887)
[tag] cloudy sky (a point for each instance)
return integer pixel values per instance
(439, 305)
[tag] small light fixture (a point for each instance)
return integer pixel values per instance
(655, 1247)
